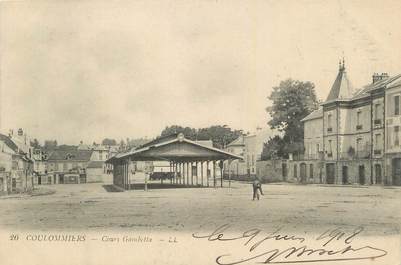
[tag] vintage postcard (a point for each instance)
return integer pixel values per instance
(200, 132)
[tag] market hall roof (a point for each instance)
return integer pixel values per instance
(237, 142)
(176, 148)
(7, 140)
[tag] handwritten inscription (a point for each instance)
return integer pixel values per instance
(333, 245)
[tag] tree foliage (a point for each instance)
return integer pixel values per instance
(50, 144)
(109, 142)
(291, 101)
(274, 148)
(221, 135)
(188, 132)
(35, 143)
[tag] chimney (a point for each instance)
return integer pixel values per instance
(20, 132)
(376, 77)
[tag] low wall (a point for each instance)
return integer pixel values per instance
(97, 175)
(269, 171)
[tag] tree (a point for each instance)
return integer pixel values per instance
(35, 143)
(135, 143)
(292, 101)
(273, 149)
(109, 142)
(50, 144)
(66, 147)
(188, 132)
(221, 135)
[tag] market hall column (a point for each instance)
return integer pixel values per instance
(207, 172)
(192, 173)
(214, 174)
(221, 164)
(201, 164)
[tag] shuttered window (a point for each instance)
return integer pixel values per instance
(396, 105)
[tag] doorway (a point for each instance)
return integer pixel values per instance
(362, 174)
(330, 173)
(396, 165)
(303, 173)
(284, 171)
(61, 179)
(378, 173)
(345, 175)
(82, 178)
(295, 171)
(13, 184)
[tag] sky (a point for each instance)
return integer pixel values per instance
(87, 70)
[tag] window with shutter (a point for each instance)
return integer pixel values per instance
(397, 105)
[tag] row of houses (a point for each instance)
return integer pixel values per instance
(22, 166)
(353, 138)
(73, 165)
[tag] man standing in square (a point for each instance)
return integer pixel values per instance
(257, 186)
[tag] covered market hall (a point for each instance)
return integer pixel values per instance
(190, 163)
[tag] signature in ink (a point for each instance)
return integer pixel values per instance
(297, 251)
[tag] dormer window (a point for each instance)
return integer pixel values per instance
(69, 157)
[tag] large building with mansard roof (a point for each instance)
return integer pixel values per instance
(353, 138)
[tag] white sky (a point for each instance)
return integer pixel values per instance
(75, 70)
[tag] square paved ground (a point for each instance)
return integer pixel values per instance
(297, 207)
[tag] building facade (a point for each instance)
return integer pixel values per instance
(392, 121)
(250, 148)
(353, 137)
(66, 167)
(237, 167)
(100, 153)
(16, 167)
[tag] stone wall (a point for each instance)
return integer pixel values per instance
(269, 171)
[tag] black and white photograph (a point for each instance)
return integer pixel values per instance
(202, 132)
